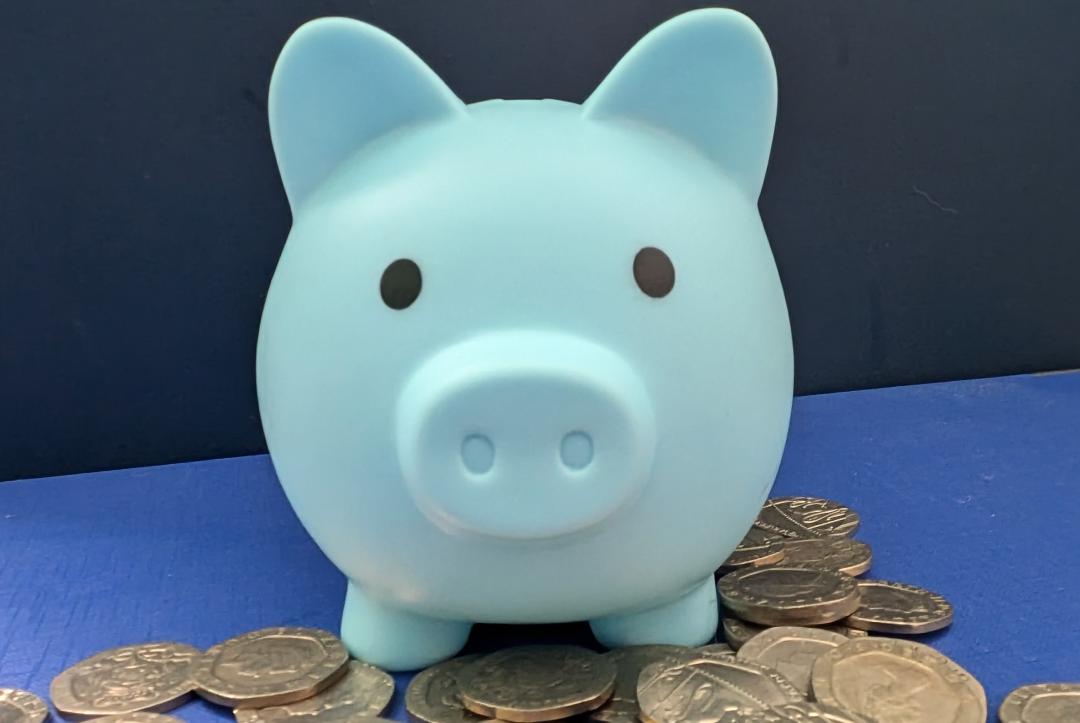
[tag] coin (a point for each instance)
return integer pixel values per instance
(622, 707)
(1045, 703)
(816, 713)
(617, 711)
(698, 689)
(146, 676)
(432, 696)
(751, 715)
(788, 595)
(791, 650)
(797, 517)
(141, 717)
(715, 649)
(758, 547)
(537, 683)
(897, 681)
(737, 632)
(272, 666)
(840, 554)
(791, 713)
(893, 607)
(20, 706)
(364, 690)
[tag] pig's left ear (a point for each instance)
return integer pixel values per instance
(706, 76)
(338, 84)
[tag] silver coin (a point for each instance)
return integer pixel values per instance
(816, 713)
(433, 696)
(722, 649)
(153, 677)
(1043, 703)
(623, 707)
(899, 609)
(737, 632)
(788, 595)
(537, 683)
(270, 667)
(21, 706)
(796, 517)
(699, 689)
(137, 717)
(364, 690)
(792, 713)
(791, 650)
(758, 547)
(840, 554)
(897, 681)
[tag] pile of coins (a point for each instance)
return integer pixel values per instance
(795, 609)
(265, 676)
(806, 640)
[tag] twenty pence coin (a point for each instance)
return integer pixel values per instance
(364, 690)
(840, 554)
(433, 697)
(701, 689)
(815, 713)
(722, 649)
(623, 707)
(141, 717)
(750, 714)
(1045, 703)
(737, 632)
(792, 651)
(537, 683)
(758, 547)
(897, 681)
(893, 607)
(796, 517)
(788, 595)
(792, 713)
(20, 706)
(142, 677)
(272, 666)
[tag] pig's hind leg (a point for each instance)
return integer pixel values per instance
(690, 619)
(395, 639)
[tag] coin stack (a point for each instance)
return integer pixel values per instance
(806, 640)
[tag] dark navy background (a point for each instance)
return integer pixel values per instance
(922, 198)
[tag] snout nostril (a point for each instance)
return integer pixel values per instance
(477, 453)
(576, 450)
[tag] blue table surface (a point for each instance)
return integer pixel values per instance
(968, 488)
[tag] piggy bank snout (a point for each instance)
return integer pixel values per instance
(524, 435)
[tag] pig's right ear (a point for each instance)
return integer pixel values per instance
(338, 84)
(706, 76)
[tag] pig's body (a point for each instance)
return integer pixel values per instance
(533, 438)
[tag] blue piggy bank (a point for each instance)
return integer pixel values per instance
(525, 361)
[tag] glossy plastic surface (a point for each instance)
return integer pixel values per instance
(519, 433)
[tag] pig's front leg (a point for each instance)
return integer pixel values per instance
(687, 620)
(395, 639)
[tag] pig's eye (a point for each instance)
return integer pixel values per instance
(400, 284)
(653, 272)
